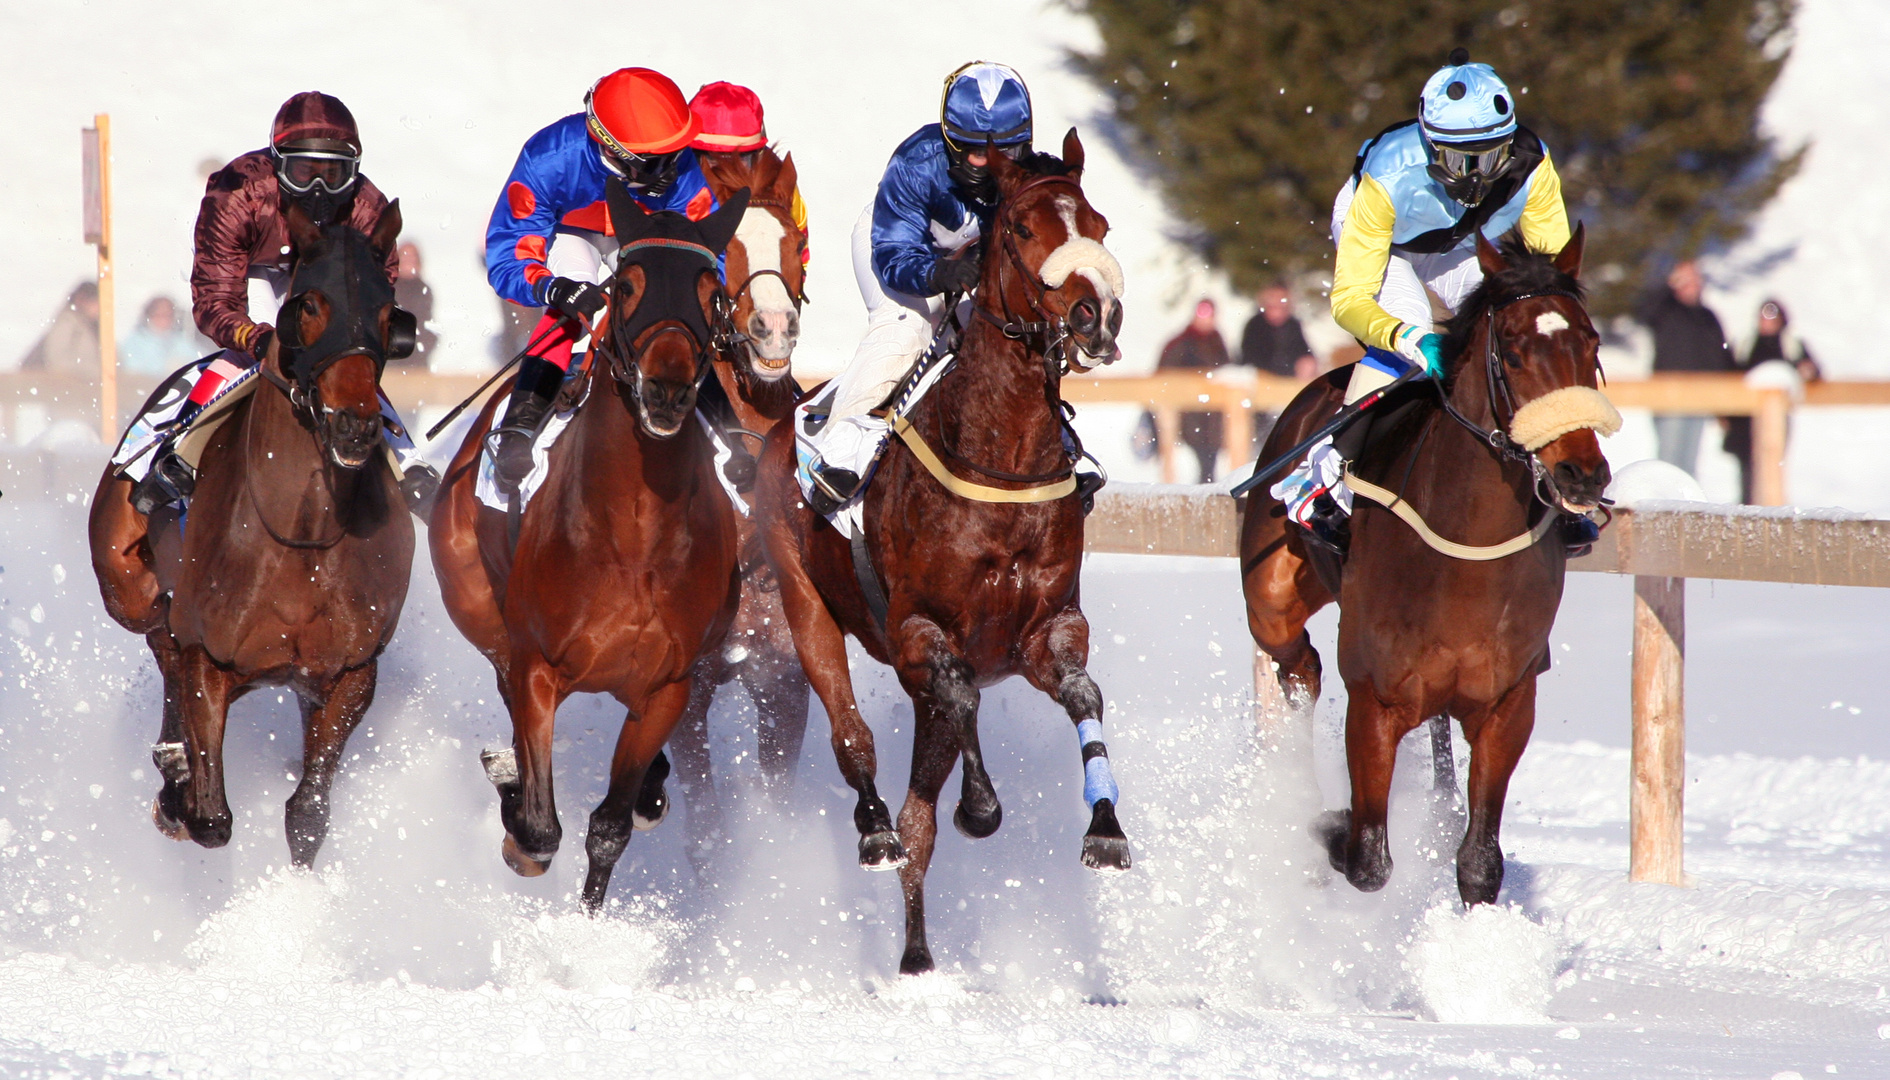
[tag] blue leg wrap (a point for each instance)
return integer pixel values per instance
(1098, 781)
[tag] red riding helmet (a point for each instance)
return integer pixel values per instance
(731, 119)
(635, 111)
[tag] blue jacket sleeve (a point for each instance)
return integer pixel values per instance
(519, 234)
(902, 249)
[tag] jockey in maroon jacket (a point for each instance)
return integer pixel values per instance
(313, 160)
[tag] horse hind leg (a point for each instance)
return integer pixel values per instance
(168, 754)
(1446, 800)
(325, 729)
(639, 745)
(779, 691)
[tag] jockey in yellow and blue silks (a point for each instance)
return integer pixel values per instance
(935, 199)
(1406, 222)
(550, 242)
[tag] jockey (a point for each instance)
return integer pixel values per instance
(314, 161)
(1406, 221)
(732, 123)
(548, 243)
(937, 198)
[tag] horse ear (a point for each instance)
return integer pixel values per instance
(1008, 174)
(719, 228)
(1490, 259)
(1569, 259)
(1073, 154)
(787, 180)
(303, 232)
(386, 230)
(628, 220)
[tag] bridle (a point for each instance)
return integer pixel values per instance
(1049, 334)
(724, 334)
(625, 348)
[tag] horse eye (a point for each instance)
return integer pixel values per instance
(1512, 359)
(1023, 230)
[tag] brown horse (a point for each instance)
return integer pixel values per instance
(1423, 634)
(294, 565)
(624, 567)
(758, 323)
(974, 591)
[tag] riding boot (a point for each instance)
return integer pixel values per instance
(538, 383)
(834, 487)
(1328, 525)
(1579, 533)
(171, 480)
(713, 403)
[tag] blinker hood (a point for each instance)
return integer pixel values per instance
(354, 282)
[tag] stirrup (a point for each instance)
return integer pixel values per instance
(1328, 525)
(833, 487)
(419, 484)
(503, 440)
(171, 480)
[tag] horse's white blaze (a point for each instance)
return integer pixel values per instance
(760, 235)
(1549, 322)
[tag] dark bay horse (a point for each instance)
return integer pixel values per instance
(624, 566)
(1423, 634)
(293, 567)
(975, 590)
(758, 320)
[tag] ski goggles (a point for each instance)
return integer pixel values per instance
(302, 171)
(1464, 161)
(652, 173)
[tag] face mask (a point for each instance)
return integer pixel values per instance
(647, 174)
(1468, 175)
(321, 183)
(975, 181)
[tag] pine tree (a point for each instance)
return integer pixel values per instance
(1249, 113)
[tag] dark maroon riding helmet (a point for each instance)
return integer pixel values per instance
(313, 120)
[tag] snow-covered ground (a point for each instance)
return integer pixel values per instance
(1228, 951)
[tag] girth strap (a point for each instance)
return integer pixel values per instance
(1409, 515)
(965, 489)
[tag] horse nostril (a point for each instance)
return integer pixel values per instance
(1115, 319)
(1083, 317)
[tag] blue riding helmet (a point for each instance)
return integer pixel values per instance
(1468, 117)
(983, 102)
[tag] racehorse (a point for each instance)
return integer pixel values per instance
(294, 565)
(976, 587)
(623, 567)
(757, 322)
(1502, 446)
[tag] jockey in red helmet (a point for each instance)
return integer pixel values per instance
(550, 232)
(313, 160)
(733, 123)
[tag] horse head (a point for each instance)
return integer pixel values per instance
(762, 297)
(662, 302)
(1050, 260)
(1529, 330)
(337, 330)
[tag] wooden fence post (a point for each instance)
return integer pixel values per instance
(1655, 821)
(96, 154)
(1167, 434)
(1237, 432)
(1768, 447)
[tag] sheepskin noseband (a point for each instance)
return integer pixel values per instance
(1559, 412)
(1081, 253)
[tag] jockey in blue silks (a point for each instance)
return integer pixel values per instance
(937, 197)
(1406, 222)
(550, 242)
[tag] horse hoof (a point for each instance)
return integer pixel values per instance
(1370, 878)
(639, 818)
(976, 828)
(522, 864)
(1106, 854)
(882, 851)
(165, 823)
(916, 961)
(1329, 831)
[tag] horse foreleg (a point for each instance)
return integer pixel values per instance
(638, 744)
(1055, 663)
(1372, 732)
(325, 730)
(939, 679)
(169, 754)
(934, 751)
(204, 707)
(690, 745)
(823, 652)
(528, 806)
(1496, 740)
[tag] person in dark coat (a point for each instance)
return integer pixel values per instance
(1687, 337)
(1199, 347)
(1774, 342)
(1274, 343)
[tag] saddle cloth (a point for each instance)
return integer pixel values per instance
(486, 486)
(154, 423)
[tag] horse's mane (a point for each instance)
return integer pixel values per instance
(1040, 163)
(1529, 271)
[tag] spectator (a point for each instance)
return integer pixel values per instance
(1198, 347)
(159, 344)
(1773, 344)
(413, 294)
(1274, 343)
(70, 344)
(1687, 337)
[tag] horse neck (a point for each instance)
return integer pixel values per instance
(1457, 475)
(759, 404)
(998, 409)
(288, 472)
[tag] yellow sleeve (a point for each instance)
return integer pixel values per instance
(1544, 218)
(798, 210)
(1364, 251)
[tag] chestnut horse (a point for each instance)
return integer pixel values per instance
(758, 323)
(624, 566)
(1423, 634)
(294, 565)
(974, 591)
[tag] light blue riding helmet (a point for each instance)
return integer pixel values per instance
(985, 101)
(1468, 117)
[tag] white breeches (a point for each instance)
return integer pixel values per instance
(898, 328)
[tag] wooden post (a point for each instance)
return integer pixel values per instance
(1237, 432)
(1768, 448)
(1655, 819)
(1167, 434)
(97, 155)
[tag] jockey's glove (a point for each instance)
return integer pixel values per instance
(958, 275)
(578, 300)
(1420, 348)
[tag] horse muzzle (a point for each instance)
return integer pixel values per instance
(772, 336)
(1580, 487)
(663, 406)
(1094, 323)
(351, 438)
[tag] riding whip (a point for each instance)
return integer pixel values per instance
(1341, 419)
(496, 376)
